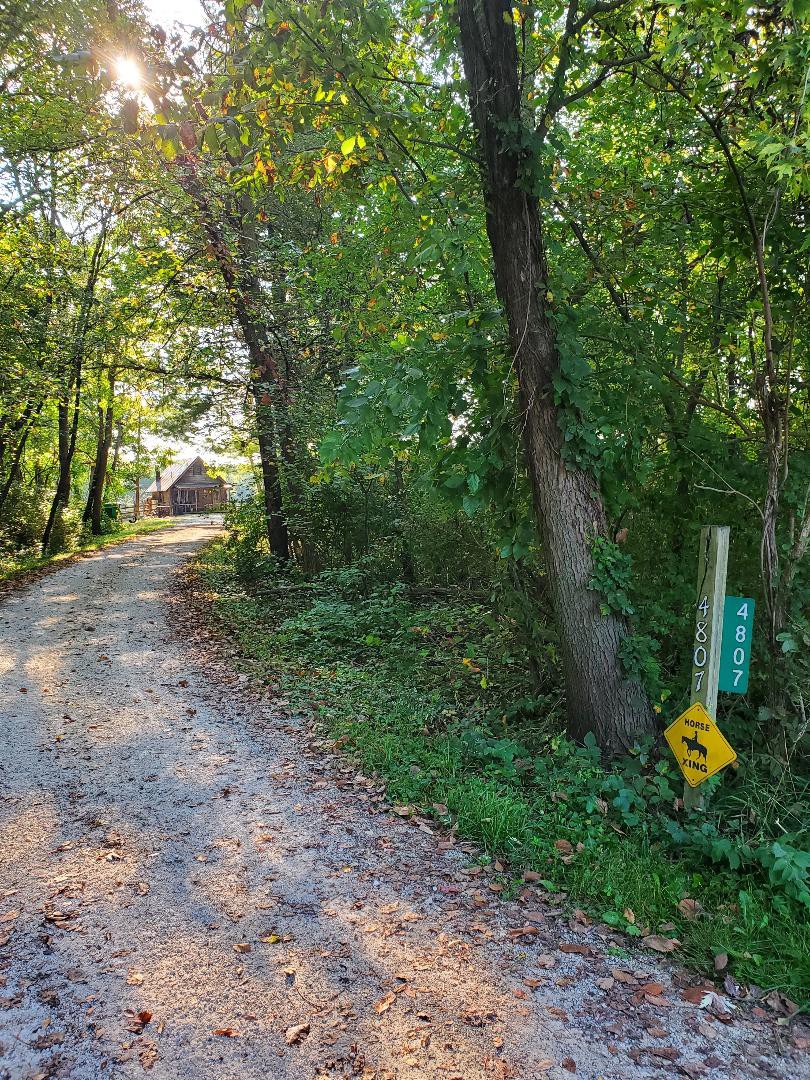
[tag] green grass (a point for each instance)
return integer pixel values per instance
(14, 567)
(402, 689)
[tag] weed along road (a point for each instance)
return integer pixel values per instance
(192, 886)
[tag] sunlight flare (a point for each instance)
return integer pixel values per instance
(128, 72)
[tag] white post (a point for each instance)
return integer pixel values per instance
(711, 595)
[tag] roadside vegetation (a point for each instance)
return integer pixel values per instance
(428, 689)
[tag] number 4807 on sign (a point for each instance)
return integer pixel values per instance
(735, 652)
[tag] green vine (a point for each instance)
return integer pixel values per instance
(612, 572)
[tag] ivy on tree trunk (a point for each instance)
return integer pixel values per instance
(567, 503)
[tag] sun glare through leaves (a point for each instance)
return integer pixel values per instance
(128, 72)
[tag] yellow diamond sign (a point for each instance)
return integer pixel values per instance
(699, 746)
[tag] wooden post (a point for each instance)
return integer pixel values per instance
(711, 594)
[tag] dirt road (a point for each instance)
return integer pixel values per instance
(190, 888)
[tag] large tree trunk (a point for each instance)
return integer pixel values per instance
(95, 497)
(268, 384)
(277, 535)
(88, 506)
(67, 428)
(61, 496)
(567, 501)
(16, 461)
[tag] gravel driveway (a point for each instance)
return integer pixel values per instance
(192, 887)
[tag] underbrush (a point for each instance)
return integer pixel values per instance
(430, 693)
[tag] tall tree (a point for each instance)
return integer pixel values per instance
(567, 500)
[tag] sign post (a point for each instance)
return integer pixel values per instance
(711, 592)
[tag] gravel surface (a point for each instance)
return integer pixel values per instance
(192, 886)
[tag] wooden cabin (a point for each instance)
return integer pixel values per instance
(185, 488)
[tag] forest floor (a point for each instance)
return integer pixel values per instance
(192, 886)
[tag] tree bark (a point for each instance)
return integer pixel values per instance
(66, 445)
(16, 461)
(95, 497)
(244, 295)
(67, 428)
(88, 506)
(567, 502)
(277, 535)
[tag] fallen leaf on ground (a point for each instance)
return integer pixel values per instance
(545, 960)
(242, 947)
(477, 1017)
(693, 1069)
(780, 1003)
(137, 1021)
(669, 1053)
(717, 1006)
(732, 987)
(385, 1003)
(690, 909)
(569, 1064)
(135, 978)
(147, 1054)
(721, 961)
(226, 1033)
(660, 944)
(620, 975)
(296, 1033)
(522, 931)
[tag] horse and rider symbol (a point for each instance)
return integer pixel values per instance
(694, 746)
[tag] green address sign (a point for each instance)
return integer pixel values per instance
(735, 652)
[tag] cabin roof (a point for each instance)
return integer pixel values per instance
(172, 473)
